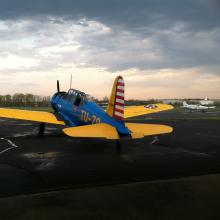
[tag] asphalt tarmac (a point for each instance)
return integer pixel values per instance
(30, 164)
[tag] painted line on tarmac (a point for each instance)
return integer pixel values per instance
(13, 145)
(156, 139)
(23, 134)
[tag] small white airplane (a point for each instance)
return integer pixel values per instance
(206, 101)
(197, 107)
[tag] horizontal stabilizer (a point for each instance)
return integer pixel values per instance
(141, 130)
(132, 111)
(38, 116)
(95, 130)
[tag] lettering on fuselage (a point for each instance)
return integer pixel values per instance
(85, 117)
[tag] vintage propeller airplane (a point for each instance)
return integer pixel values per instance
(84, 118)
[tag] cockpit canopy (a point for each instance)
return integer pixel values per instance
(77, 97)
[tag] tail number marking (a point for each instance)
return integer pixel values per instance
(86, 118)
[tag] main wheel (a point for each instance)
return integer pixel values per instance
(41, 129)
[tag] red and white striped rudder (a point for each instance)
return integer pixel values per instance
(119, 99)
(116, 102)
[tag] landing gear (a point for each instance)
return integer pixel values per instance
(41, 129)
(118, 145)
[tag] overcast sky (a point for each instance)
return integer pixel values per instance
(162, 48)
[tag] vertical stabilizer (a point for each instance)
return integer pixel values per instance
(116, 101)
(185, 104)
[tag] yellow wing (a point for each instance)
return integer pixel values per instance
(30, 115)
(141, 130)
(132, 111)
(96, 130)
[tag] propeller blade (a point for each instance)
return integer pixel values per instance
(58, 86)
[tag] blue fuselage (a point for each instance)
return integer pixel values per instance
(83, 112)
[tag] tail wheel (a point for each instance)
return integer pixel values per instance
(118, 145)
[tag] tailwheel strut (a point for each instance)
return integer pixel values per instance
(118, 145)
(41, 129)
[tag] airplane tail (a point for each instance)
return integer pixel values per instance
(116, 102)
(184, 104)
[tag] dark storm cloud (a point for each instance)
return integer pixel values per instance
(145, 34)
(197, 14)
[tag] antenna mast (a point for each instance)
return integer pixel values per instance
(71, 81)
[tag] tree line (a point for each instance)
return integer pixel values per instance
(24, 100)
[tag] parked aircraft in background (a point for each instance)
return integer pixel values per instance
(84, 118)
(197, 107)
(206, 101)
